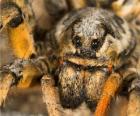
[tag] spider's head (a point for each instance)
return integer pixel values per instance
(88, 36)
(96, 34)
(13, 19)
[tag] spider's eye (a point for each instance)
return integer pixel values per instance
(95, 44)
(77, 41)
(16, 21)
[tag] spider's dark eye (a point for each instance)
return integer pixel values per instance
(16, 21)
(95, 44)
(77, 41)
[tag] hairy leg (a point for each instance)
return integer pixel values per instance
(134, 99)
(50, 96)
(20, 73)
(109, 90)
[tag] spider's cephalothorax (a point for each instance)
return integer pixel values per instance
(95, 44)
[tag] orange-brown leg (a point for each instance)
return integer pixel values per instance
(50, 96)
(110, 88)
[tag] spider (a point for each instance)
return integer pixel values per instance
(97, 59)
(98, 53)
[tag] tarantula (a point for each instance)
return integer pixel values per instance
(97, 58)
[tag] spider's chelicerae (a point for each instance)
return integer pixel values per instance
(97, 58)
